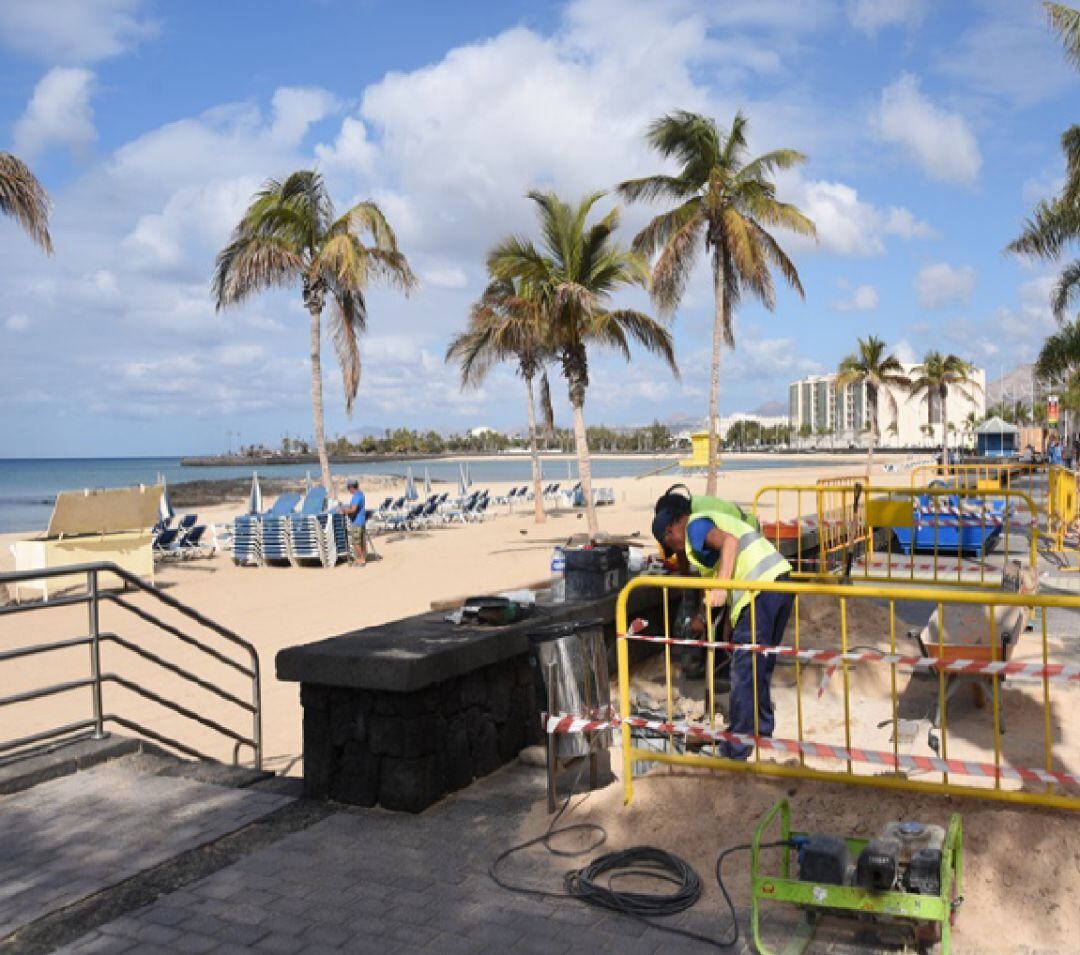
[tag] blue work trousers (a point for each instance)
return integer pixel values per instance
(764, 624)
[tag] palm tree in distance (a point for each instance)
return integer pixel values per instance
(573, 274)
(1054, 226)
(934, 377)
(504, 325)
(879, 373)
(971, 424)
(289, 235)
(24, 199)
(725, 203)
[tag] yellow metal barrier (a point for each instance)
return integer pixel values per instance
(972, 638)
(898, 534)
(1031, 479)
(1062, 511)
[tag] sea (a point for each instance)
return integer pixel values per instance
(28, 486)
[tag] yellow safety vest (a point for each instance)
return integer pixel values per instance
(755, 559)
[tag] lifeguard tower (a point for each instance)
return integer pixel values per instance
(699, 459)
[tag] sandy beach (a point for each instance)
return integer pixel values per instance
(279, 607)
(275, 607)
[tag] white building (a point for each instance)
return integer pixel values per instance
(840, 417)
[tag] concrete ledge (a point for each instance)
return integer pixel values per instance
(404, 656)
(65, 759)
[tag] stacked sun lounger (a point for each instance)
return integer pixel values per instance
(306, 535)
(250, 533)
(335, 539)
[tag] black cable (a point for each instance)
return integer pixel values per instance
(648, 862)
(723, 888)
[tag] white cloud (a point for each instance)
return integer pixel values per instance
(904, 352)
(846, 224)
(870, 16)
(352, 151)
(444, 278)
(943, 284)
(863, 298)
(296, 108)
(940, 142)
(17, 322)
(58, 113)
(1031, 319)
(1008, 51)
(902, 223)
(73, 31)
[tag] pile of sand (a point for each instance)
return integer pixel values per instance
(1021, 866)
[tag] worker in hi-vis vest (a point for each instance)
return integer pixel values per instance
(716, 539)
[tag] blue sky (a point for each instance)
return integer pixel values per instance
(931, 129)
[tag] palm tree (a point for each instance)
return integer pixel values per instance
(504, 325)
(1066, 23)
(971, 423)
(1059, 357)
(25, 199)
(726, 203)
(935, 376)
(879, 373)
(572, 275)
(289, 234)
(1054, 226)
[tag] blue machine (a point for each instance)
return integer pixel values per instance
(943, 525)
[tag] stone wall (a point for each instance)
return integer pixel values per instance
(403, 751)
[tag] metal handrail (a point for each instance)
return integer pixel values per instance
(93, 598)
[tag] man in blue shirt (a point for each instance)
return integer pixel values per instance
(356, 511)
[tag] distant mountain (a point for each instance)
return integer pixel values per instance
(1013, 386)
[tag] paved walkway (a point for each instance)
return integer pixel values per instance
(355, 881)
(377, 882)
(67, 839)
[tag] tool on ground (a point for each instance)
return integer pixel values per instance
(903, 885)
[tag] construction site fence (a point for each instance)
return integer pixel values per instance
(1062, 511)
(1001, 644)
(1030, 478)
(845, 529)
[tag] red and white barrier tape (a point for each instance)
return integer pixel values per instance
(1054, 672)
(960, 767)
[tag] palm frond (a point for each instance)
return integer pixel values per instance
(1066, 289)
(24, 199)
(1052, 225)
(251, 264)
(348, 321)
(1066, 23)
(662, 227)
(650, 188)
(648, 332)
(768, 164)
(776, 255)
(676, 264)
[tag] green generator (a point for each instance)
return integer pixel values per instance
(903, 884)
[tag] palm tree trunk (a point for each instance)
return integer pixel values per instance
(581, 444)
(872, 408)
(317, 399)
(547, 409)
(538, 498)
(714, 385)
(945, 426)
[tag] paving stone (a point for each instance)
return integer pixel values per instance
(74, 836)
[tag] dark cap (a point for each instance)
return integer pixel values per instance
(664, 518)
(352, 484)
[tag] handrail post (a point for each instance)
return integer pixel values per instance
(257, 715)
(95, 653)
